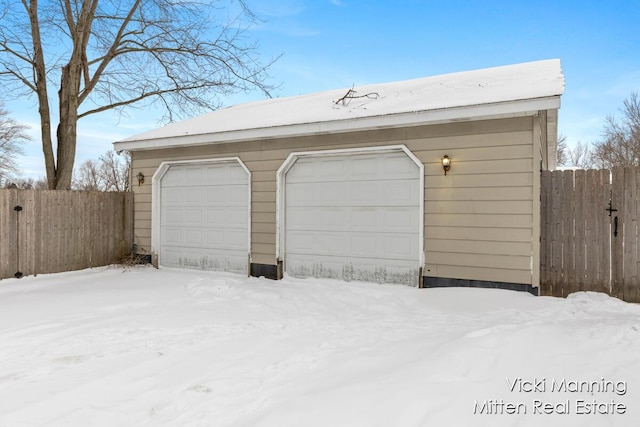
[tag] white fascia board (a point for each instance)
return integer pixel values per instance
(519, 108)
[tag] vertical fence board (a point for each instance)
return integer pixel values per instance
(591, 229)
(568, 240)
(4, 229)
(628, 219)
(604, 231)
(8, 233)
(111, 223)
(617, 254)
(81, 207)
(56, 232)
(37, 235)
(128, 231)
(580, 214)
(91, 227)
(635, 289)
(545, 228)
(28, 216)
(556, 234)
(72, 232)
(102, 230)
(62, 230)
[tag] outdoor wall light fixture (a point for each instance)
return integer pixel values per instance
(140, 177)
(446, 163)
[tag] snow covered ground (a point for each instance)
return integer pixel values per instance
(146, 347)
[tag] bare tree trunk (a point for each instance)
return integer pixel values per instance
(69, 93)
(40, 81)
(66, 133)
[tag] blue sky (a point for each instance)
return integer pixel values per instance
(329, 44)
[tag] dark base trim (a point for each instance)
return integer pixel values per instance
(137, 258)
(444, 282)
(144, 259)
(267, 270)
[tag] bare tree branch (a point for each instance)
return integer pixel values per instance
(108, 54)
(12, 137)
(620, 142)
(351, 94)
(110, 172)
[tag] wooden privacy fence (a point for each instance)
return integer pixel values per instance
(45, 231)
(589, 232)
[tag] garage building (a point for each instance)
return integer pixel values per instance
(350, 183)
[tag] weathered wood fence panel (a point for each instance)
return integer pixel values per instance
(590, 232)
(625, 281)
(52, 231)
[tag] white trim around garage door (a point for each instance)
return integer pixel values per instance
(156, 196)
(291, 159)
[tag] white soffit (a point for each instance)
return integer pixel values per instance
(515, 90)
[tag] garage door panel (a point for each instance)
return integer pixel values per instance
(363, 167)
(399, 220)
(193, 237)
(192, 174)
(353, 168)
(238, 197)
(355, 244)
(214, 174)
(171, 196)
(191, 196)
(172, 216)
(362, 193)
(210, 239)
(171, 236)
(234, 174)
(358, 193)
(401, 246)
(364, 245)
(237, 216)
(401, 192)
(398, 166)
(336, 268)
(205, 259)
(345, 219)
(303, 218)
(192, 217)
(212, 194)
(226, 217)
(204, 218)
(236, 239)
(215, 217)
(215, 237)
(173, 179)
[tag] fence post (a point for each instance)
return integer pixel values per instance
(18, 209)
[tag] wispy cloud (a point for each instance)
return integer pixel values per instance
(338, 3)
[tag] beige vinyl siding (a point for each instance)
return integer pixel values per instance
(549, 132)
(478, 219)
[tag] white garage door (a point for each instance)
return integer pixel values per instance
(354, 217)
(204, 217)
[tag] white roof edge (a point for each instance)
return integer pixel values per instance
(455, 114)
